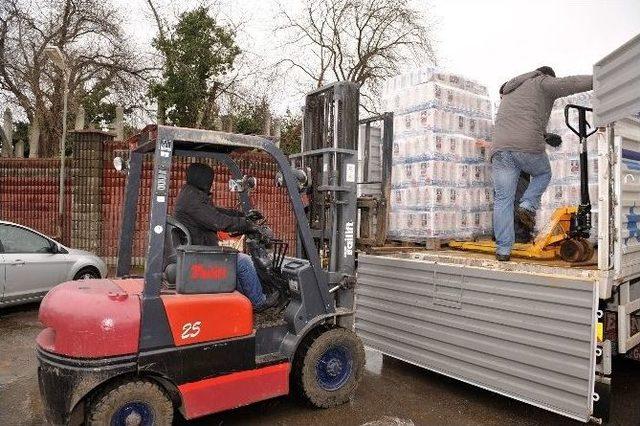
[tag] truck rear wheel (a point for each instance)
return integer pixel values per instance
(136, 402)
(327, 369)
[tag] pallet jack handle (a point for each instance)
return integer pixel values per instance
(581, 225)
(582, 121)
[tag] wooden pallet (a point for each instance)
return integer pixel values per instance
(393, 246)
(436, 243)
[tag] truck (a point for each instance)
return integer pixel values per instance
(542, 332)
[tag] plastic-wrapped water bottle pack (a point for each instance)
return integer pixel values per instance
(441, 178)
(441, 174)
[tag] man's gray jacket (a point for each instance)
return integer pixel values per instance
(525, 108)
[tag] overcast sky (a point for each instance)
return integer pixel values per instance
(495, 40)
(490, 40)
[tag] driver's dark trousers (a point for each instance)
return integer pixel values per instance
(248, 281)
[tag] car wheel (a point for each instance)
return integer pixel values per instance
(87, 274)
(135, 402)
(327, 368)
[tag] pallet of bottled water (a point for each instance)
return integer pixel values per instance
(564, 188)
(441, 176)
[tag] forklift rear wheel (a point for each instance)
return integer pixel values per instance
(135, 402)
(329, 368)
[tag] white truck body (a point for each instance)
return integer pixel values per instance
(526, 329)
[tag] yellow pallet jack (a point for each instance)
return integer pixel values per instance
(566, 235)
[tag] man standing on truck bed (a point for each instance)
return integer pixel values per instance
(519, 146)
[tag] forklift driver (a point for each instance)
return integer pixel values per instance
(203, 220)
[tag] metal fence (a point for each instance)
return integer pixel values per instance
(29, 194)
(95, 195)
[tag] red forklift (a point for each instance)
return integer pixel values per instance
(132, 350)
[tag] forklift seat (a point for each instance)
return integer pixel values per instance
(176, 235)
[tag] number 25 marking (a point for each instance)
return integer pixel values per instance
(191, 330)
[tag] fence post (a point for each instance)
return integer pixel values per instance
(277, 131)
(118, 124)
(86, 208)
(34, 137)
(19, 149)
(266, 125)
(6, 145)
(80, 118)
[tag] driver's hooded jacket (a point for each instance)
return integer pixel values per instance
(195, 211)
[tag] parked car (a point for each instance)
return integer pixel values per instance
(31, 264)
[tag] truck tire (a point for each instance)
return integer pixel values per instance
(133, 402)
(328, 368)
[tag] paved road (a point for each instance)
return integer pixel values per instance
(391, 393)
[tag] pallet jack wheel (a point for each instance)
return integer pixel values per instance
(589, 251)
(572, 250)
(328, 368)
(132, 402)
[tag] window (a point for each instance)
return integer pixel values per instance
(19, 240)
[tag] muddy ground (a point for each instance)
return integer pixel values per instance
(391, 393)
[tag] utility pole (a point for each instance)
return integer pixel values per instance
(57, 57)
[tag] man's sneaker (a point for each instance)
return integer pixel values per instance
(526, 217)
(503, 257)
(272, 300)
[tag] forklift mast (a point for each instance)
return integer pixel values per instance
(329, 151)
(330, 155)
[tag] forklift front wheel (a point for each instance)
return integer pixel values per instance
(133, 402)
(329, 367)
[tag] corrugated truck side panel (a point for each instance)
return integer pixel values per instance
(527, 336)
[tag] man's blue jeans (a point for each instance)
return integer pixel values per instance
(506, 168)
(248, 281)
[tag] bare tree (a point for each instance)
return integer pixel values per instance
(363, 41)
(90, 35)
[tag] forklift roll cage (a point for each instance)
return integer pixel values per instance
(185, 142)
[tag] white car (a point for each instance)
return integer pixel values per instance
(31, 264)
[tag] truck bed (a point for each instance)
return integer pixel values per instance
(587, 270)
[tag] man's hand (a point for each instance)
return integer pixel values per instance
(251, 228)
(553, 139)
(254, 215)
